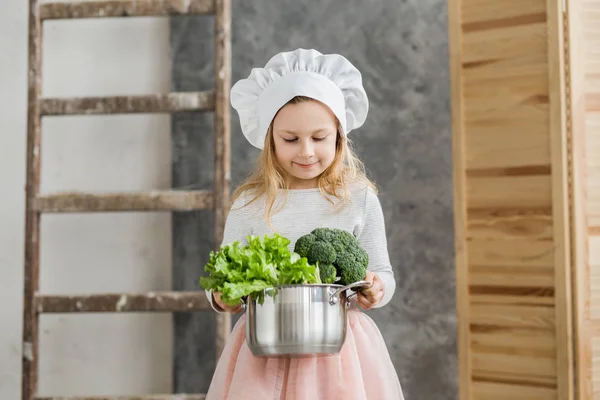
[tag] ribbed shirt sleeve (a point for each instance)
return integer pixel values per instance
(373, 239)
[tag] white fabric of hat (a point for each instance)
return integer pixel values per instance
(328, 78)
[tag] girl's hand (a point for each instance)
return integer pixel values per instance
(368, 298)
(232, 309)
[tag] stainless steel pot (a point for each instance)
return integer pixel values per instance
(298, 320)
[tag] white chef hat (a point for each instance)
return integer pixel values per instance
(330, 79)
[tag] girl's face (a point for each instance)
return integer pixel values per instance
(305, 136)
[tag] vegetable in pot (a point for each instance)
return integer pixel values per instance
(337, 247)
(238, 271)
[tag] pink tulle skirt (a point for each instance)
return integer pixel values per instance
(362, 370)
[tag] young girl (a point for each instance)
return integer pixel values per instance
(299, 109)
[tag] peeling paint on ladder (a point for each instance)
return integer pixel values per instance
(122, 302)
(28, 351)
(186, 4)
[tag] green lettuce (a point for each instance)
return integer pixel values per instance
(239, 271)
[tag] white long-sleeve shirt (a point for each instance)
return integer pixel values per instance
(307, 209)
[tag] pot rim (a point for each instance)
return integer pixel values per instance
(306, 285)
(336, 286)
(339, 289)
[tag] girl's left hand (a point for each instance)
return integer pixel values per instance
(368, 298)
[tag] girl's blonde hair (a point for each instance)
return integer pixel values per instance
(269, 177)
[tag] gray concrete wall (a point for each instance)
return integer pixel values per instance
(401, 49)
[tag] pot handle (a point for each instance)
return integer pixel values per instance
(334, 297)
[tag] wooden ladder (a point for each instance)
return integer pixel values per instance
(216, 100)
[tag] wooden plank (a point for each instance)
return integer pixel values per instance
(168, 200)
(592, 185)
(559, 150)
(595, 376)
(523, 98)
(594, 255)
(593, 175)
(593, 166)
(511, 272)
(512, 277)
(594, 275)
(576, 61)
(508, 344)
(31, 272)
(592, 125)
(592, 101)
(519, 355)
(485, 43)
(595, 329)
(511, 316)
(455, 15)
(505, 23)
(123, 8)
(514, 253)
(511, 224)
(522, 342)
(511, 299)
(509, 192)
(222, 143)
(592, 208)
(592, 150)
(501, 391)
(498, 143)
(123, 302)
(481, 11)
(532, 64)
(526, 369)
(154, 103)
(177, 396)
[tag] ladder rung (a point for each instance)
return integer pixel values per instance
(147, 397)
(123, 8)
(124, 302)
(153, 103)
(174, 200)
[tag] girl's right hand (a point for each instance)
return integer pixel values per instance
(232, 309)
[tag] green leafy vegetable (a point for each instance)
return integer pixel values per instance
(330, 246)
(238, 271)
(327, 272)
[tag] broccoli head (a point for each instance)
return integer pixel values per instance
(352, 265)
(321, 252)
(303, 244)
(327, 273)
(331, 246)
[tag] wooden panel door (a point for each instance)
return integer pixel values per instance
(584, 40)
(591, 44)
(511, 199)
